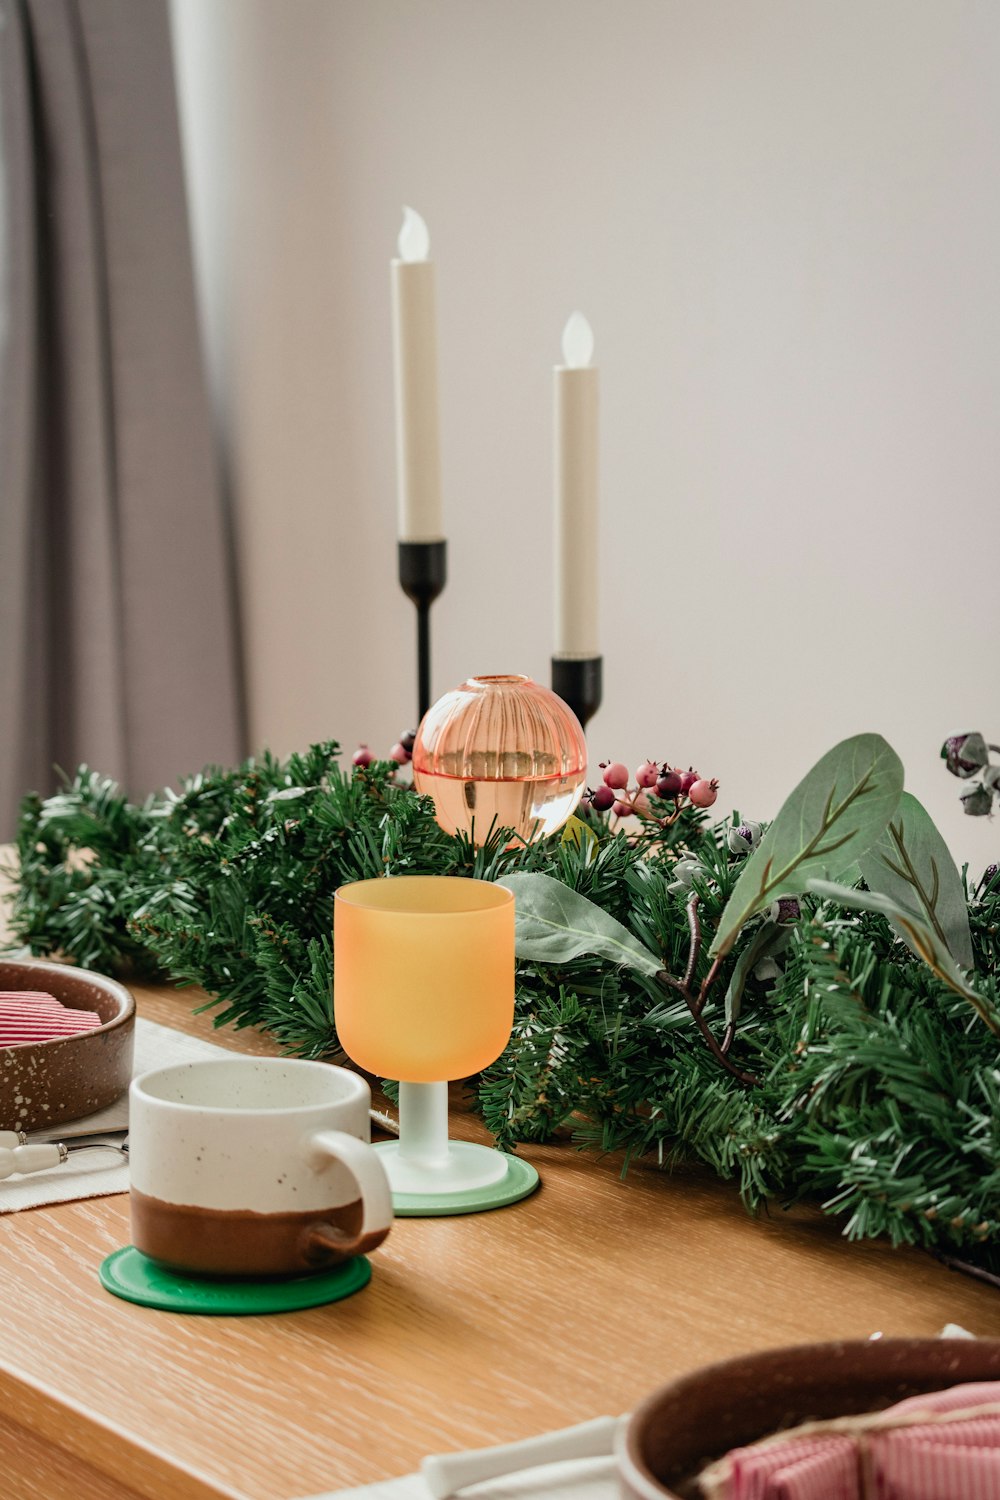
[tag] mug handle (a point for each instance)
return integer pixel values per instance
(371, 1182)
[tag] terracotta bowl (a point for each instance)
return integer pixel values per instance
(683, 1426)
(45, 1083)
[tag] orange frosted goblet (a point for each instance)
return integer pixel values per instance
(424, 992)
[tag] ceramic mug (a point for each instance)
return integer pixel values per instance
(254, 1166)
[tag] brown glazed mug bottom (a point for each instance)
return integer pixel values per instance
(687, 1424)
(242, 1243)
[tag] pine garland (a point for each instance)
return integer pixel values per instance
(877, 1086)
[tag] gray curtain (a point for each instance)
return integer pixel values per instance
(118, 627)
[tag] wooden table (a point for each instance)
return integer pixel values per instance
(473, 1330)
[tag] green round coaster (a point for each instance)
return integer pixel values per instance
(129, 1274)
(520, 1180)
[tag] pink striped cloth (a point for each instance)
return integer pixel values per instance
(825, 1466)
(892, 1455)
(36, 1016)
(957, 1460)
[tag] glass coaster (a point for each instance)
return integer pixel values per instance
(519, 1180)
(131, 1275)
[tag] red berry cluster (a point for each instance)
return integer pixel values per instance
(662, 780)
(401, 752)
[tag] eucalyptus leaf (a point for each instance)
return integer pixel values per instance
(918, 934)
(768, 940)
(554, 924)
(912, 865)
(834, 814)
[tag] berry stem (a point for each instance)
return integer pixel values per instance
(695, 926)
(668, 979)
(696, 1003)
(706, 985)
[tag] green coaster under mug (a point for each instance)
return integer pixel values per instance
(129, 1274)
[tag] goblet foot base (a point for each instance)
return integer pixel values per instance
(471, 1180)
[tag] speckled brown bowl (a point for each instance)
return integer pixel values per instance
(683, 1426)
(45, 1083)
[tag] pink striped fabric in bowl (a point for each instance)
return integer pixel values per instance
(941, 1446)
(35, 1016)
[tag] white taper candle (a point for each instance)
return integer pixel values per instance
(414, 331)
(576, 487)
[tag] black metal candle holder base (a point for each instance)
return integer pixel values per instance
(423, 573)
(579, 681)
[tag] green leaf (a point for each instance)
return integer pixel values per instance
(834, 814)
(919, 935)
(555, 924)
(768, 940)
(912, 865)
(575, 831)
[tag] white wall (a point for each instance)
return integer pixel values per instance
(780, 217)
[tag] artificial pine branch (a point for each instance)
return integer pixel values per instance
(876, 1086)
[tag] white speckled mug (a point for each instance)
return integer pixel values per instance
(254, 1166)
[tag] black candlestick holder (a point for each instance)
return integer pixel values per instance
(578, 681)
(423, 573)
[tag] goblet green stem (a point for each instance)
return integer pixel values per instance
(423, 1124)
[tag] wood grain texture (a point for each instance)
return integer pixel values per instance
(43, 1471)
(474, 1330)
(65, 1455)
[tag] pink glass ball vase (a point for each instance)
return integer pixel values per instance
(501, 752)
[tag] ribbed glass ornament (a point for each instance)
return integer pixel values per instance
(501, 752)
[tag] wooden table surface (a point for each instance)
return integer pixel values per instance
(474, 1330)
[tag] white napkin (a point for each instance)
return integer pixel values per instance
(573, 1479)
(574, 1463)
(98, 1173)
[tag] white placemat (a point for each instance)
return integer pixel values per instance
(574, 1479)
(95, 1174)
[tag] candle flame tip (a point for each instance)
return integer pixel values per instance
(414, 237)
(577, 341)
